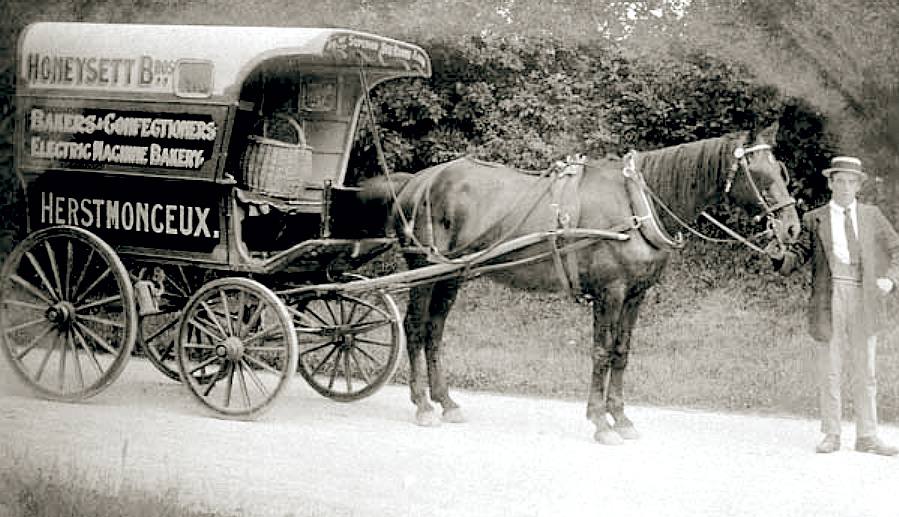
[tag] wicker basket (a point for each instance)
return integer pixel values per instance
(276, 168)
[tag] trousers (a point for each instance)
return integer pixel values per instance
(851, 341)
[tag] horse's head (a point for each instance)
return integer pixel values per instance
(758, 181)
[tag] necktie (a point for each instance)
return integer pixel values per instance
(851, 238)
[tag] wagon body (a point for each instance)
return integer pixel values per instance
(170, 206)
(137, 133)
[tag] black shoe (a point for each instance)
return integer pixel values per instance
(830, 443)
(873, 445)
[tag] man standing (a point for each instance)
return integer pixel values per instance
(855, 260)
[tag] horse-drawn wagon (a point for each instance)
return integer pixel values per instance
(177, 179)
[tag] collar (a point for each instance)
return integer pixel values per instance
(834, 207)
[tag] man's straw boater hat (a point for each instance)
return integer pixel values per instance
(845, 164)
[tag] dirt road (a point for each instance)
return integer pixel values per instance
(515, 456)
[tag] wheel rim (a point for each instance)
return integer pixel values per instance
(237, 347)
(68, 314)
(349, 346)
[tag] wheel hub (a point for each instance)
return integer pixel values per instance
(231, 348)
(60, 314)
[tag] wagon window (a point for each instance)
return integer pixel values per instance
(193, 78)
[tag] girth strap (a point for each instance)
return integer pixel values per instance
(567, 209)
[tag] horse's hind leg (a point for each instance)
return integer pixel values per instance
(416, 325)
(442, 298)
(623, 425)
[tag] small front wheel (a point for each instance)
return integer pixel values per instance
(237, 348)
(350, 345)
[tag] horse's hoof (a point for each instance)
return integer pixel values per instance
(427, 418)
(453, 416)
(608, 437)
(628, 432)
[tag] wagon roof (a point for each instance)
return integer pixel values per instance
(148, 58)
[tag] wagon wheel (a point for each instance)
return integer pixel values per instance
(349, 344)
(237, 347)
(159, 331)
(68, 313)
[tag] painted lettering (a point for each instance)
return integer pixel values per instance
(142, 219)
(46, 207)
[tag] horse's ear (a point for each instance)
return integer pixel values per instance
(768, 135)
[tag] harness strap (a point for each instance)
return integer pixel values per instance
(567, 209)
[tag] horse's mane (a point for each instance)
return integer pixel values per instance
(683, 174)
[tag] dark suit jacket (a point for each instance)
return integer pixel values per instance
(880, 258)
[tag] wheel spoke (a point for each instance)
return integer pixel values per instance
(70, 341)
(96, 337)
(229, 386)
(161, 330)
(212, 318)
(360, 368)
(50, 349)
(91, 287)
(255, 378)
(331, 311)
(265, 366)
(198, 346)
(370, 357)
(205, 330)
(336, 367)
(224, 297)
(359, 328)
(375, 342)
(261, 334)
(98, 303)
(307, 321)
(317, 348)
(254, 318)
(69, 264)
(26, 305)
(319, 318)
(204, 364)
(347, 371)
(31, 288)
(54, 268)
(34, 342)
(89, 350)
(241, 306)
(27, 324)
(213, 379)
(324, 361)
(81, 276)
(102, 321)
(62, 359)
(243, 384)
(42, 275)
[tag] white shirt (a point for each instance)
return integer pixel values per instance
(838, 231)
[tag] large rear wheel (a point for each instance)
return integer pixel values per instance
(67, 313)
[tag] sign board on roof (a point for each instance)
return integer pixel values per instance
(193, 61)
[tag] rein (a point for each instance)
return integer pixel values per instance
(630, 171)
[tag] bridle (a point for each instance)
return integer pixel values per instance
(768, 211)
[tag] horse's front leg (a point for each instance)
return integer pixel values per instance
(606, 311)
(416, 326)
(442, 298)
(620, 353)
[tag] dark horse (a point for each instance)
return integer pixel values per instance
(464, 206)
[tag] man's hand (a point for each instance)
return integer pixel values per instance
(885, 284)
(775, 250)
